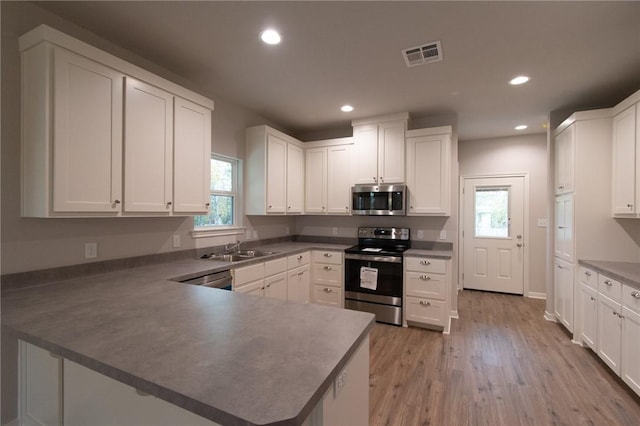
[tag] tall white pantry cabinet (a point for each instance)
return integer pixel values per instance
(99, 135)
(583, 227)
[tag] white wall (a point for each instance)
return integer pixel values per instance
(526, 153)
(31, 244)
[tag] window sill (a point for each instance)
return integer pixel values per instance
(216, 232)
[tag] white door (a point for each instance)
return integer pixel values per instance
(493, 234)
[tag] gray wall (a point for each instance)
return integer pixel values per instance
(515, 155)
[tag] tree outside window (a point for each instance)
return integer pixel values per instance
(223, 194)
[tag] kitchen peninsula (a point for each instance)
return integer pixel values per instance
(228, 357)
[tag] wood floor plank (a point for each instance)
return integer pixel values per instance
(502, 364)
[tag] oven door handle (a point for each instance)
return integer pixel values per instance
(373, 258)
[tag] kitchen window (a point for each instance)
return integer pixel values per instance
(224, 199)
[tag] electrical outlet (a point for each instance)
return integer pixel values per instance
(339, 383)
(443, 235)
(334, 231)
(286, 230)
(176, 241)
(90, 250)
(420, 234)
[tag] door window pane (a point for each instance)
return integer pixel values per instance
(492, 212)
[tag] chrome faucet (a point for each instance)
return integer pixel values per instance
(228, 248)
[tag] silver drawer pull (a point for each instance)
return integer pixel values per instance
(299, 257)
(425, 303)
(587, 273)
(608, 282)
(328, 268)
(635, 294)
(328, 290)
(328, 255)
(425, 277)
(425, 262)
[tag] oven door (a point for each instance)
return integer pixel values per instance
(372, 278)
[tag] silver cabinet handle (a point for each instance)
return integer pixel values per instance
(630, 206)
(592, 298)
(560, 227)
(268, 285)
(328, 290)
(425, 303)
(328, 268)
(425, 277)
(587, 273)
(169, 204)
(301, 273)
(299, 257)
(635, 295)
(328, 255)
(116, 202)
(519, 245)
(425, 262)
(374, 179)
(381, 179)
(608, 282)
(270, 206)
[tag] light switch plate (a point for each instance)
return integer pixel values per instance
(443, 235)
(420, 234)
(543, 223)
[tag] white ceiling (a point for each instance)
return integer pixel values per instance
(579, 55)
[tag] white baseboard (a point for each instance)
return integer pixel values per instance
(537, 295)
(550, 317)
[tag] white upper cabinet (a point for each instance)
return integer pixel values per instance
(191, 157)
(379, 148)
(429, 171)
(327, 187)
(564, 237)
(564, 165)
(85, 139)
(148, 146)
(267, 173)
(84, 154)
(295, 179)
(625, 162)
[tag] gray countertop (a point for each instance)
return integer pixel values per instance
(232, 358)
(438, 254)
(626, 272)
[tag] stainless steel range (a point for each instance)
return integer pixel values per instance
(373, 273)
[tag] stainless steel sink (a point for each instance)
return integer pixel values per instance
(239, 255)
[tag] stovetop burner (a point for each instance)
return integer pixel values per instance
(381, 241)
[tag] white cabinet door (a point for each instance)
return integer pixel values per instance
(563, 292)
(91, 398)
(299, 281)
(428, 171)
(624, 161)
(276, 174)
(276, 286)
(630, 363)
(148, 148)
(589, 315)
(564, 165)
(365, 154)
(609, 332)
(87, 135)
(191, 157)
(316, 180)
(295, 179)
(338, 179)
(40, 386)
(564, 243)
(391, 144)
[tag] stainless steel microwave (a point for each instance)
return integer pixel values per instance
(378, 200)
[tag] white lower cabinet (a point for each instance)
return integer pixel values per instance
(563, 292)
(299, 281)
(276, 286)
(40, 386)
(630, 363)
(589, 315)
(609, 331)
(327, 275)
(426, 290)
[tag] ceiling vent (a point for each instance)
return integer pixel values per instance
(428, 52)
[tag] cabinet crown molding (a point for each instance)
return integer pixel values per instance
(442, 130)
(595, 114)
(44, 33)
(403, 116)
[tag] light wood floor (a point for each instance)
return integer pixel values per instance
(502, 364)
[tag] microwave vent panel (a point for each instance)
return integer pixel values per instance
(420, 55)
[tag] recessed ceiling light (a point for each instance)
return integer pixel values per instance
(521, 79)
(271, 36)
(346, 108)
(521, 127)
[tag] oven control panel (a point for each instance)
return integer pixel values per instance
(384, 233)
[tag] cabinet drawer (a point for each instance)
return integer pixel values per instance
(589, 277)
(276, 266)
(432, 286)
(610, 288)
(325, 295)
(247, 274)
(254, 287)
(298, 260)
(327, 274)
(631, 298)
(426, 311)
(333, 257)
(423, 264)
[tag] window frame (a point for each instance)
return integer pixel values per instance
(236, 193)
